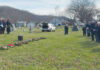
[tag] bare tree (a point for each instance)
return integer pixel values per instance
(84, 10)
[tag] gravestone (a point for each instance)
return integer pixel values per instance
(75, 28)
(30, 26)
(13, 27)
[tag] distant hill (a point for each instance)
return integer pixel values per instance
(22, 15)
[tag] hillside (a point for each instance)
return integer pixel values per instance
(17, 15)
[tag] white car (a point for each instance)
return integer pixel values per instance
(51, 27)
(48, 27)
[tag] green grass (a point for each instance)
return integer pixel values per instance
(57, 52)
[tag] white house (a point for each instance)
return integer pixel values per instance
(21, 24)
(57, 21)
(97, 17)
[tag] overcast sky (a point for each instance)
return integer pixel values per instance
(40, 7)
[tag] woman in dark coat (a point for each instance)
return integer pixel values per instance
(8, 24)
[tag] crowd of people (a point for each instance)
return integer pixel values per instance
(92, 29)
(5, 26)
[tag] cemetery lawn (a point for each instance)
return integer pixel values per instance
(57, 52)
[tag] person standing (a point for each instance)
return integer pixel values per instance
(88, 32)
(84, 30)
(1, 27)
(4, 26)
(96, 32)
(8, 24)
(92, 30)
(88, 26)
(99, 32)
(66, 29)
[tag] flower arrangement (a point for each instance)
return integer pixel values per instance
(35, 39)
(42, 38)
(11, 45)
(23, 42)
(4, 48)
(30, 40)
(26, 42)
(18, 44)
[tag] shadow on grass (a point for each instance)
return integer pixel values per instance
(37, 32)
(96, 50)
(89, 44)
(79, 36)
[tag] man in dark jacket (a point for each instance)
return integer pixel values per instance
(99, 32)
(8, 24)
(96, 32)
(66, 29)
(92, 30)
(84, 30)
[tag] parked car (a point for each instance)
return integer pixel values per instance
(48, 27)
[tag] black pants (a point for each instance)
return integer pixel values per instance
(66, 32)
(8, 30)
(92, 36)
(84, 33)
(1, 30)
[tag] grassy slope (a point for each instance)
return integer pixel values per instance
(57, 52)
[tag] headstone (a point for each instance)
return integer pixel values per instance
(13, 27)
(75, 28)
(30, 26)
